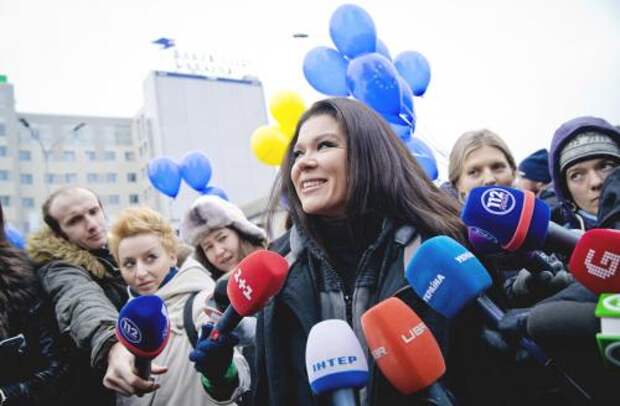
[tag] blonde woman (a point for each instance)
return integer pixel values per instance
(149, 256)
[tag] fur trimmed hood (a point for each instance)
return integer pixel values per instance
(45, 246)
(18, 287)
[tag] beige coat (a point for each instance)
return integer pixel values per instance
(181, 385)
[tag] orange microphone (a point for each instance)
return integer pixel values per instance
(403, 346)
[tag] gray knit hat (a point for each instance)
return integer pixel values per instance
(209, 213)
(586, 145)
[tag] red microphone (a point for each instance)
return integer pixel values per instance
(402, 345)
(595, 262)
(258, 278)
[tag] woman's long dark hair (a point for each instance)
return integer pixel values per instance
(382, 175)
(17, 281)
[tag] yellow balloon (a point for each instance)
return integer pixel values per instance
(287, 107)
(269, 144)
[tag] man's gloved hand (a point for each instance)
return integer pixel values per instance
(541, 284)
(213, 357)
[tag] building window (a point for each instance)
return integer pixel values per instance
(27, 202)
(110, 177)
(130, 156)
(5, 201)
(134, 199)
(132, 177)
(114, 199)
(92, 178)
(90, 155)
(122, 135)
(2, 150)
(25, 179)
(109, 155)
(54, 178)
(68, 156)
(24, 155)
(4, 175)
(71, 178)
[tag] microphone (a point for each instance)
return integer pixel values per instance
(448, 277)
(143, 328)
(608, 310)
(517, 219)
(402, 345)
(335, 361)
(258, 277)
(595, 262)
(564, 320)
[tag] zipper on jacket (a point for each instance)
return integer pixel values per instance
(348, 304)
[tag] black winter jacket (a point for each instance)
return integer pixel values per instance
(31, 369)
(284, 324)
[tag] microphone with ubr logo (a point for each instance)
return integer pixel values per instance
(608, 310)
(517, 220)
(335, 361)
(143, 328)
(449, 277)
(402, 345)
(258, 277)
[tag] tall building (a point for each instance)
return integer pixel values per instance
(41, 152)
(184, 113)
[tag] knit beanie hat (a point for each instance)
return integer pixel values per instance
(536, 167)
(588, 145)
(209, 213)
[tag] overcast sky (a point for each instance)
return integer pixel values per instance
(519, 68)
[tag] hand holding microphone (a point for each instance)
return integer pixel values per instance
(213, 357)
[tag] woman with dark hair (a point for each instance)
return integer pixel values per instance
(357, 199)
(31, 372)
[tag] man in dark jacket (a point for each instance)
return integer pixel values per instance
(584, 151)
(86, 288)
(609, 206)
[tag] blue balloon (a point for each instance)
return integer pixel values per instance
(403, 131)
(424, 155)
(14, 237)
(383, 49)
(407, 113)
(165, 176)
(416, 71)
(352, 31)
(214, 190)
(196, 169)
(326, 71)
(373, 80)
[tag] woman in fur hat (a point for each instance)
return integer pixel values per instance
(152, 262)
(31, 371)
(220, 233)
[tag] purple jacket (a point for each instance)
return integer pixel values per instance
(561, 137)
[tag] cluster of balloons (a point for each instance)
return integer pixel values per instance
(361, 66)
(166, 175)
(269, 142)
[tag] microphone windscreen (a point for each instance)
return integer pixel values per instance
(402, 345)
(334, 357)
(446, 275)
(517, 221)
(258, 277)
(596, 259)
(562, 320)
(482, 241)
(143, 326)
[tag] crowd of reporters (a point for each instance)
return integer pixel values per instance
(367, 226)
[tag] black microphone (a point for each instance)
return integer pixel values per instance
(563, 320)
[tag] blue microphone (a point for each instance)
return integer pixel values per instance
(143, 328)
(448, 277)
(335, 361)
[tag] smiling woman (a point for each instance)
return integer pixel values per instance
(356, 198)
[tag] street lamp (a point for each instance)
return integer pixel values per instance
(34, 134)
